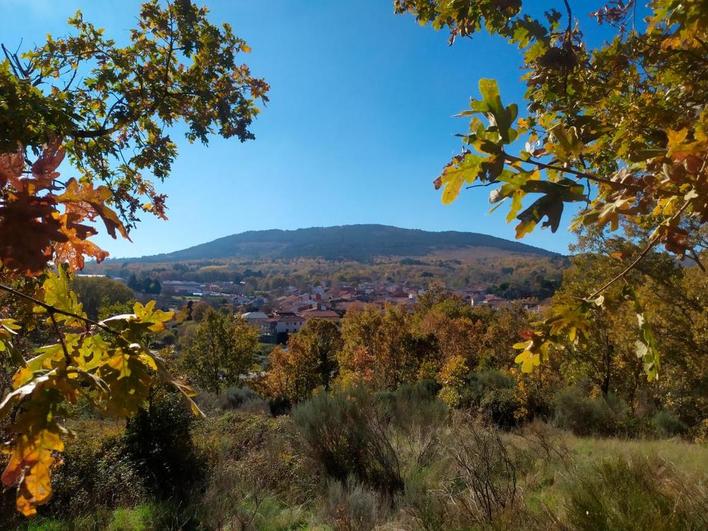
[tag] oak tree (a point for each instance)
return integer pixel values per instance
(109, 110)
(220, 351)
(618, 129)
(308, 363)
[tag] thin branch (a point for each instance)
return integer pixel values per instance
(60, 336)
(118, 101)
(654, 240)
(481, 185)
(613, 184)
(10, 60)
(53, 309)
(570, 18)
(694, 256)
(71, 80)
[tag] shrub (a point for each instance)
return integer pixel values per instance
(488, 380)
(351, 506)
(255, 465)
(97, 473)
(158, 440)
(499, 407)
(242, 398)
(346, 433)
(484, 474)
(413, 406)
(666, 424)
(638, 494)
(584, 415)
(426, 504)
(279, 406)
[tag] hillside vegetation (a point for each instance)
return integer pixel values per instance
(360, 377)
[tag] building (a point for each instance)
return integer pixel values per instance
(259, 320)
(328, 315)
(287, 322)
(181, 287)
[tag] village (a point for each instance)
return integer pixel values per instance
(285, 312)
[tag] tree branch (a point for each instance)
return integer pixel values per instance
(570, 19)
(60, 336)
(490, 183)
(612, 184)
(652, 242)
(53, 309)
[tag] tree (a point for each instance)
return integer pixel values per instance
(95, 293)
(607, 356)
(113, 122)
(620, 129)
(380, 348)
(220, 351)
(115, 117)
(674, 300)
(307, 364)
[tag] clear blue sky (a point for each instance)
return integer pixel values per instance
(359, 124)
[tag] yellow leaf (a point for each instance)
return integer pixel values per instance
(524, 228)
(451, 191)
(119, 362)
(675, 139)
(528, 361)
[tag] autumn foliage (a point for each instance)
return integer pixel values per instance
(112, 123)
(618, 130)
(41, 222)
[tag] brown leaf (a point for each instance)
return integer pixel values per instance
(84, 200)
(11, 166)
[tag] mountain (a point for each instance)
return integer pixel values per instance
(347, 242)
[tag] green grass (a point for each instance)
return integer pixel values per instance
(687, 458)
(565, 482)
(548, 481)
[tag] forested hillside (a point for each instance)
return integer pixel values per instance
(349, 242)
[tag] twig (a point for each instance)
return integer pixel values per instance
(60, 336)
(481, 185)
(570, 19)
(697, 259)
(654, 240)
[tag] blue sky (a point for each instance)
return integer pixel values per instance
(359, 124)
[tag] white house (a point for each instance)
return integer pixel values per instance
(259, 320)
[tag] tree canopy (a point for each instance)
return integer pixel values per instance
(220, 351)
(109, 110)
(619, 129)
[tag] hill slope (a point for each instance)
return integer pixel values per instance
(347, 242)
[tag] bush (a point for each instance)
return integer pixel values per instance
(255, 466)
(584, 415)
(666, 424)
(110, 467)
(413, 406)
(97, 473)
(634, 495)
(242, 398)
(346, 433)
(489, 380)
(352, 506)
(158, 440)
(279, 406)
(484, 475)
(499, 407)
